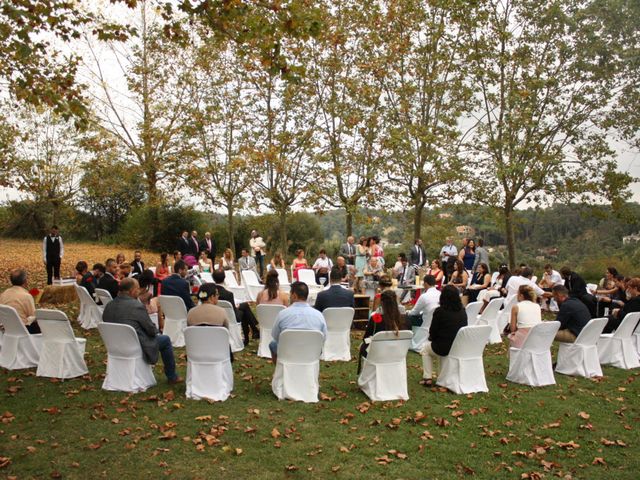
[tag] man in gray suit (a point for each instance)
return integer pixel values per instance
(348, 251)
(407, 275)
(247, 262)
(127, 309)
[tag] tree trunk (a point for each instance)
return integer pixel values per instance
(231, 227)
(349, 223)
(417, 219)
(282, 214)
(511, 242)
(151, 178)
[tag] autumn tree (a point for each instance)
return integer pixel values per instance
(543, 86)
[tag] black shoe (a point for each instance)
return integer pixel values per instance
(256, 335)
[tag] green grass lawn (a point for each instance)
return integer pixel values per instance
(577, 429)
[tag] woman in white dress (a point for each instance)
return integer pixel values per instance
(524, 315)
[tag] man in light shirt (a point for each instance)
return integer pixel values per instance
(429, 299)
(298, 316)
(18, 297)
(322, 267)
(515, 282)
(550, 279)
(449, 250)
(257, 250)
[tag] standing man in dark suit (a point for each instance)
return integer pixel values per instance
(52, 253)
(207, 245)
(138, 264)
(126, 309)
(335, 296)
(177, 286)
(348, 251)
(183, 243)
(108, 281)
(243, 312)
(418, 254)
(194, 244)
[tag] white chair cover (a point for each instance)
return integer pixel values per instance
(19, 348)
(231, 284)
(337, 345)
(61, 354)
(206, 277)
(103, 295)
(591, 288)
(581, 358)
(490, 317)
(384, 370)
(283, 279)
(209, 372)
(175, 318)
(127, 371)
(90, 315)
(421, 333)
(266, 316)
(230, 279)
(251, 284)
(298, 366)
(531, 364)
(618, 349)
(308, 276)
(235, 329)
(462, 371)
(473, 310)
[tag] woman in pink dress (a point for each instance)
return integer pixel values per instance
(298, 263)
(162, 268)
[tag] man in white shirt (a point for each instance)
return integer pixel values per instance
(322, 267)
(524, 278)
(550, 278)
(449, 250)
(257, 250)
(429, 299)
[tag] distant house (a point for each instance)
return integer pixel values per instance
(633, 238)
(465, 231)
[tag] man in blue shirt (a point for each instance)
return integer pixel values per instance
(298, 316)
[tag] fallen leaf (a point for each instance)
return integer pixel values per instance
(584, 415)
(275, 433)
(598, 461)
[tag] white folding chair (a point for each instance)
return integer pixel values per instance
(531, 364)
(473, 310)
(175, 318)
(421, 332)
(153, 269)
(90, 315)
(251, 284)
(337, 345)
(591, 288)
(384, 370)
(462, 371)
(235, 329)
(617, 349)
(19, 348)
(266, 316)
(283, 279)
(493, 317)
(61, 354)
(308, 276)
(231, 284)
(581, 357)
(206, 277)
(127, 370)
(103, 295)
(209, 372)
(298, 365)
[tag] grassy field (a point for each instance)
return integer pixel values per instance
(579, 428)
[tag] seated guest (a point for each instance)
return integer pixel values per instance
(322, 266)
(459, 277)
(137, 264)
(208, 312)
(335, 296)
(386, 319)
(385, 284)
(204, 262)
(247, 262)
(497, 289)
(397, 267)
(162, 268)
(577, 288)
(126, 309)
(108, 281)
(524, 278)
(124, 271)
(18, 297)
(524, 315)
(550, 278)
(177, 255)
(480, 280)
(298, 316)
(373, 270)
(147, 282)
(430, 297)
(448, 318)
(437, 272)
(631, 305)
(84, 277)
(120, 259)
(98, 271)
(614, 300)
(277, 261)
(573, 315)
(299, 263)
(271, 295)
(176, 285)
(341, 264)
(227, 261)
(243, 312)
(607, 284)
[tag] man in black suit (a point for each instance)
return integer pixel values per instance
(177, 286)
(418, 255)
(138, 264)
(335, 296)
(207, 245)
(52, 253)
(126, 309)
(194, 244)
(577, 288)
(243, 312)
(573, 315)
(108, 281)
(183, 243)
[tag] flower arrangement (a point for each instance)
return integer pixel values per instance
(376, 317)
(34, 292)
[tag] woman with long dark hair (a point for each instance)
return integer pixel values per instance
(448, 318)
(459, 277)
(271, 294)
(386, 318)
